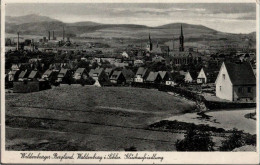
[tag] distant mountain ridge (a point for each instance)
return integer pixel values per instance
(28, 19)
(40, 25)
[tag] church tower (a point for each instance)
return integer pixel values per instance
(149, 46)
(181, 48)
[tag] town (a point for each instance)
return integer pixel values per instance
(32, 66)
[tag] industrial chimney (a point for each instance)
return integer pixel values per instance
(63, 34)
(17, 44)
(32, 45)
(49, 37)
(53, 35)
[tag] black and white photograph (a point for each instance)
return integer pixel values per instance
(130, 78)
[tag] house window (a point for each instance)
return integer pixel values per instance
(240, 90)
(223, 75)
(219, 88)
(249, 90)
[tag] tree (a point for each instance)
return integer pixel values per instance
(235, 140)
(94, 65)
(83, 64)
(195, 141)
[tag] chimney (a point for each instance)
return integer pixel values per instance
(53, 35)
(49, 37)
(63, 34)
(32, 45)
(17, 44)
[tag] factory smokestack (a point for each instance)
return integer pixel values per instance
(49, 37)
(53, 35)
(63, 34)
(32, 45)
(17, 44)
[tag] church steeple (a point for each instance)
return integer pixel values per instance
(181, 48)
(149, 46)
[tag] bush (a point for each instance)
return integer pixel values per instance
(235, 140)
(132, 148)
(195, 141)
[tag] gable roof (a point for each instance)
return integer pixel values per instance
(241, 73)
(63, 71)
(162, 74)
(158, 58)
(108, 71)
(48, 72)
(182, 72)
(33, 74)
(193, 74)
(128, 73)
(115, 75)
(80, 70)
(22, 74)
(97, 71)
(141, 71)
(13, 72)
(152, 76)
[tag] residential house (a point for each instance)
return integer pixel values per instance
(121, 64)
(13, 75)
(166, 78)
(138, 63)
(207, 76)
(190, 77)
(15, 67)
(117, 77)
(154, 77)
(141, 74)
(50, 75)
(23, 75)
(236, 81)
(100, 76)
(202, 77)
(128, 74)
(158, 59)
(64, 76)
(109, 71)
(81, 73)
(125, 55)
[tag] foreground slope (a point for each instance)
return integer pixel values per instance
(91, 118)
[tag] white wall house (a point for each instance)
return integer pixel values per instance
(141, 75)
(124, 54)
(170, 83)
(188, 78)
(202, 78)
(138, 78)
(236, 82)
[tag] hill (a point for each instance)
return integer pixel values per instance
(28, 19)
(40, 25)
(114, 118)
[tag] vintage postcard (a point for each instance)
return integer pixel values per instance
(129, 82)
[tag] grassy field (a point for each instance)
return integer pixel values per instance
(91, 118)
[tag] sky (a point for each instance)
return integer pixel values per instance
(225, 17)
